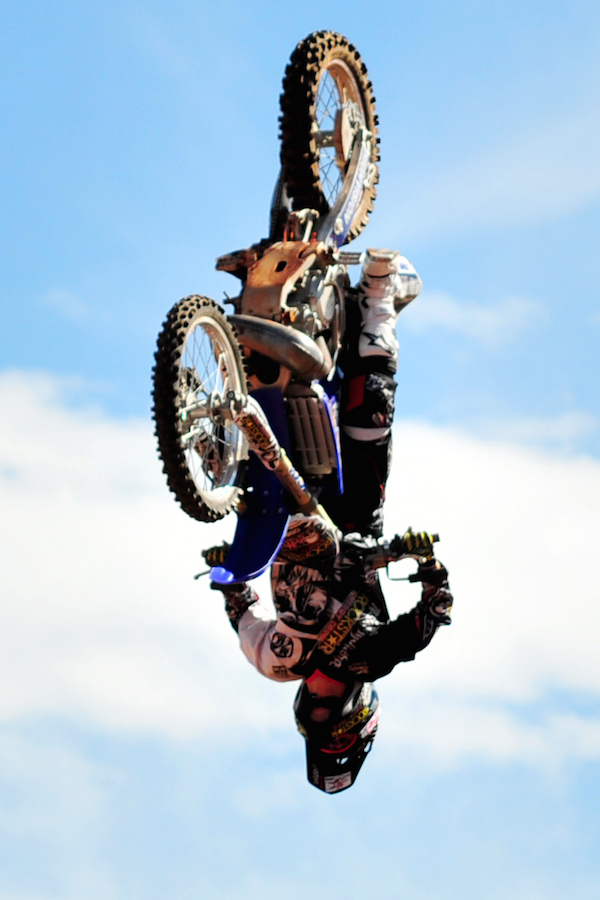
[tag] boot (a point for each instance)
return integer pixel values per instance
(388, 283)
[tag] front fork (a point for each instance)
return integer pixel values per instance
(247, 414)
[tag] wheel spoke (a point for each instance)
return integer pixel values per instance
(331, 178)
(327, 87)
(207, 366)
(328, 102)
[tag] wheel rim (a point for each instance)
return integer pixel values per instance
(339, 112)
(208, 369)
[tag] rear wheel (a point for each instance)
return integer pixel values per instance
(198, 360)
(327, 105)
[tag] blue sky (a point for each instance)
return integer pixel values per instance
(141, 757)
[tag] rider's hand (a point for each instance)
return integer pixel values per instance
(438, 603)
(436, 599)
(435, 605)
(216, 556)
(239, 598)
(432, 573)
(355, 547)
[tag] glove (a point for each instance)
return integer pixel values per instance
(438, 603)
(431, 572)
(413, 543)
(355, 547)
(239, 598)
(436, 592)
(435, 605)
(216, 556)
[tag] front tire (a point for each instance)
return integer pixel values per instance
(198, 360)
(327, 98)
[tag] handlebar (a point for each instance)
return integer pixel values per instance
(411, 545)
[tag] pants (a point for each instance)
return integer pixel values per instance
(366, 417)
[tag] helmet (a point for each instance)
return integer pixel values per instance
(336, 748)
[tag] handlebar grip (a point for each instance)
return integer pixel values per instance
(431, 575)
(413, 543)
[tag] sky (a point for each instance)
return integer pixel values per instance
(141, 757)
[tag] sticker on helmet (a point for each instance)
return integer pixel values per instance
(334, 783)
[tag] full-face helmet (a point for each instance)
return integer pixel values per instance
(339, 733)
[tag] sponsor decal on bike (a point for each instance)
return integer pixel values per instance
(295, 474)
(261, 441)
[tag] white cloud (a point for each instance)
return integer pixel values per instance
(103, 623)
(491, 323)
(102, 618)
(59, 784)
(564, 431)
(519, 532)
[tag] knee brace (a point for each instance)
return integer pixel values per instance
(367, 408)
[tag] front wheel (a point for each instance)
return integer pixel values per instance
(327, 106)
(198, 360)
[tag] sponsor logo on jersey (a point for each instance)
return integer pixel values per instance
(281, 672)
(281, 645)
(342, 624)
(344, 652)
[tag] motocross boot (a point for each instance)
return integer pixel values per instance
(388, 283)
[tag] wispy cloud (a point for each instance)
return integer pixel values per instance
(66, 303)
(104, 625)
(103, 621)
(563, 432)
(492, 323)
(544, 171)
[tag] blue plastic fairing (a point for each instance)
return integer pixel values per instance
(262, 527)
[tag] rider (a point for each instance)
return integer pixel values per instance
(331, 626)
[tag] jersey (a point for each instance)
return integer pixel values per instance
(333, 619)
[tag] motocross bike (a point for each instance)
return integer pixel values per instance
(245, 404)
